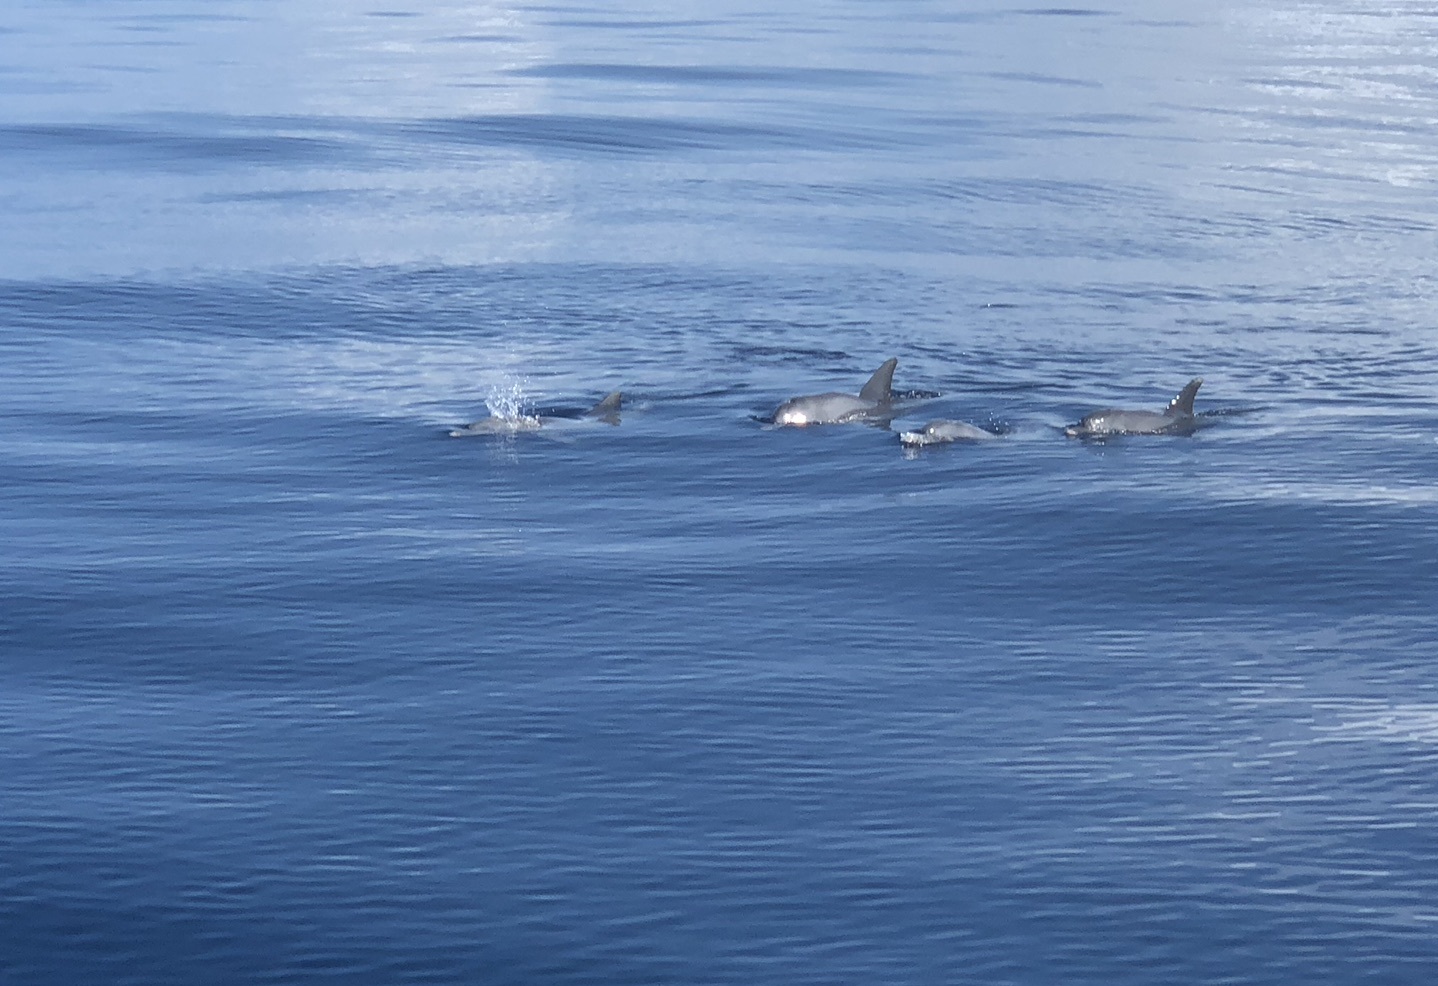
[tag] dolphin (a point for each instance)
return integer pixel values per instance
(1177, 419)
(606, 410)
(944, 430)
(833, 408)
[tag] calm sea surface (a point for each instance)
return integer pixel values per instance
(295, 688)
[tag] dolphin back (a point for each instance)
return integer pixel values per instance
(1182, 405)
(944, 430)
(880, 385)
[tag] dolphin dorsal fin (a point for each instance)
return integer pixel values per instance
(607, 409)
(877, 389)
(1182, 405)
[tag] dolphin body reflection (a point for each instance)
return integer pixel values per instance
(873, 402)
(606, 410)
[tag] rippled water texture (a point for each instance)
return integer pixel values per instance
(296, 688)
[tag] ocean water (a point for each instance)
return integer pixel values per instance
(295, 688)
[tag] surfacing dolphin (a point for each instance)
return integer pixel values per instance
(834, 408)
(1177, 419)
(944, 430)
(606, 410)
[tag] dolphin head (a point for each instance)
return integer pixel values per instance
(932, 433)
(824, 409)
(796, 413)
(1090, 425)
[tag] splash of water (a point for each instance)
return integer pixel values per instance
(507, 399)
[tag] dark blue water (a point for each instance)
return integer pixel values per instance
(295, 688)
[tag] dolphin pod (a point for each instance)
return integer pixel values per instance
(874, 404)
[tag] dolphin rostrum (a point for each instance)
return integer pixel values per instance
(944, 430)
(1178, 418)
(606, 410)
(833, 408)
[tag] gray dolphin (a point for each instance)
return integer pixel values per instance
(944, 430)
(1176, 419)
(606, 410)
(834, 408)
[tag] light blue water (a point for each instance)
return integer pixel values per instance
(296, 688)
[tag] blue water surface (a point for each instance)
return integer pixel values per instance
(296, 688)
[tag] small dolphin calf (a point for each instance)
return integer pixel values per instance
(943, 430)
(832, 409)
(1176, 419)
(606, 410)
